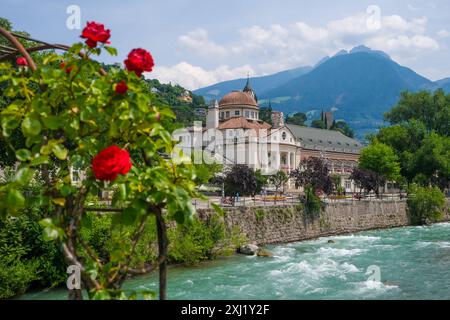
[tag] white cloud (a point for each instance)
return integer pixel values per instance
(198, 41)
(443, 33)
(278, 47)
(193, 77)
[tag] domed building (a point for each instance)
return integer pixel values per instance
(237, 109)
(235, 134)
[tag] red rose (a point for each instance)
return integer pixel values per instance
(95, 32)
(139, 60)
(21, 61)
(121, 87)
(111, 162)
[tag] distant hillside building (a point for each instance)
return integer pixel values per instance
(240, 137)
(328, 119)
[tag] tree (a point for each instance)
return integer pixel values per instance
(431, 163)
(278, 180)
(344, 128)
(405, 139)
(319, 124)
(425, 204)
(70, 113)
(432, 109)
(380, 158)
(265, 114)
(261, 181)
(313, 172)
(240, 179)
(337, 183)
(298, 119)
(367, 180)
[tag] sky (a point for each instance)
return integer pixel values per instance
(196, 43)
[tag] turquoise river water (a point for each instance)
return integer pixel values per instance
(410, 263)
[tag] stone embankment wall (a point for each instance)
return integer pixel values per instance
(281, 224)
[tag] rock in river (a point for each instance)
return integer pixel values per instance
(264, 253)
(249, 249)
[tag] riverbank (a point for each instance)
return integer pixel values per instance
(284, 224)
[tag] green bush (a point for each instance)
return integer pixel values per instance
(312, 204)
(425, 204)
(26, 260)
(202, 240)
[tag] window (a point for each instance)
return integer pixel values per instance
(247, 114)
(253, 114)
(227, 114)
(284, 135)
(236, 113)
(221, 115)
(348, 184)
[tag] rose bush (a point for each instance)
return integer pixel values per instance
(71, 117)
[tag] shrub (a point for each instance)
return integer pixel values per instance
(312, 204)
(26, 260)
(425, 204)
(202, 240)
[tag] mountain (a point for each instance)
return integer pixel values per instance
(359, 85)
(259, 84)
(444, 84)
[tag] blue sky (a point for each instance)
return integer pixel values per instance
(198, 42)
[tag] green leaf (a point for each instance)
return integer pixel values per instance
(39, 160)
(23, 155)
(51, 122)
(31, 126)
(112, 51)
(60, 151)
(50, 234)
(24, 175)
(15, 199)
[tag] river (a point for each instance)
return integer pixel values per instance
(410, 262)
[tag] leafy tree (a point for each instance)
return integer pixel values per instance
(278, 180)
(433, 110)
(405, 139)
(298, 118)
(336, 179)
(344, 128)
(380, 158)
(240, 179)
(432, 161)
(319, 124)
(368, 180)
(425, 204)
(67, 115)
(261, 181)
(169, 94)
(313, 172)
(265, 114)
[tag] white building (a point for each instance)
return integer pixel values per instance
(235, 134)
